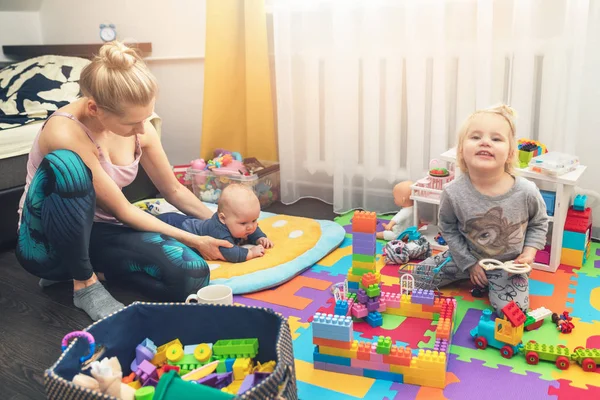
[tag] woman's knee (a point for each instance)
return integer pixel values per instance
(184, 270)
(71, 175)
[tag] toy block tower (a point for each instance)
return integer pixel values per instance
(577, 235)
(364, 245)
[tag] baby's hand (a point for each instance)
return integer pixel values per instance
(265, 242)
(386, 227)
(257, 251)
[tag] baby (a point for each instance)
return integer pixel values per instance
(235, 221)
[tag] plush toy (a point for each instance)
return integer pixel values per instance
(399, 252)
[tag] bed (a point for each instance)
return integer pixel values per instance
(30, 90)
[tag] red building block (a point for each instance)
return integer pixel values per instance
(514, 314)
(578, 221)
(364, 351)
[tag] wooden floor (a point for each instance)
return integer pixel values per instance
(34, 321)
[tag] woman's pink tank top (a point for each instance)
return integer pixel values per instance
(121, 175)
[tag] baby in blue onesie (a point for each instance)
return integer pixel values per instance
(236, 221)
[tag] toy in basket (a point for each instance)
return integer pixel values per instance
(424, 276)
(431, 186)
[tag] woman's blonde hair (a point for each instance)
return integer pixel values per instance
(509, 114)
(117, 76)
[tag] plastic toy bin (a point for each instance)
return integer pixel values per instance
(121, 332)
(207, 185)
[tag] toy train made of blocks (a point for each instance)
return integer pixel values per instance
(506, 334)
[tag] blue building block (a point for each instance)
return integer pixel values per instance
(486, 328)
(388, 376)
(330, 359)
(334, 327)
(374, 319)
(352, 285)
(579, 202)
(574, 240)
(341, 307)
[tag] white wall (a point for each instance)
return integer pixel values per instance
(18, 27)
(175, 28)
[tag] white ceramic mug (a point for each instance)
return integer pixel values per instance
(212, 294)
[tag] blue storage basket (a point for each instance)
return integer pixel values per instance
(122, 331)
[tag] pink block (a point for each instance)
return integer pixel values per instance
(377, 366)
(359, 310)
(382, 306)
(350, 304)
(391, 299)
(342, 369)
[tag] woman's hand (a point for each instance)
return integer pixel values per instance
(478, 277)
(209, 247)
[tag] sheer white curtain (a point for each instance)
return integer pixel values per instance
(368, 92)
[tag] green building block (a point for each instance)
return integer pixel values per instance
(580, 354)
(373, 291)
(363, 258)
(235, 348)
(384, 345)
(546, 352)
(352, 296)
(361, 271)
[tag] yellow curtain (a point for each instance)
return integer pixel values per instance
(238, 106)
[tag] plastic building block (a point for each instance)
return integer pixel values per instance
(341, 307)
(146, 371)
(574, 258)
(369, 279)
(237, 348)
(252, 380)
(384, 345)
(373, 290)
(392, 300)
(574, 240)
(422, 296)
(332, 343)
(174, 352)
(361, 296)
(578, 221)
(382, 306)
(241, 368)
(335, 327)
(217, 381)
(589, 359)
(359, 310)
(514, 314)
(373, 304)
(160, 358)
(579, 202)
(374, 319)
(444, 328)
(441, 345)
(142, 353)
(364, 222)
(203, 352)
(145, 393)
(538, 351)
(540, 313)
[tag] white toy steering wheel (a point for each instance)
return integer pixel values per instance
(490, 264)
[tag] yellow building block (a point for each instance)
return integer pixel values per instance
(429, 360)
(160, 358)
(399, 369)
(370, 265)
(403, 312)
(571, 257)
(234, 387)
(507, 333)
(353, 278)
(241, 368)
(334, 351)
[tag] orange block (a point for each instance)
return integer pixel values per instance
(364, 351)
(369, 279)
(443, 329)
(364, 221)
(398, 356)
(332, 343)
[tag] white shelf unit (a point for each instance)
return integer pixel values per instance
(565, 188)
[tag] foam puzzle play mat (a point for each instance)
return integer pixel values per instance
(359, 333)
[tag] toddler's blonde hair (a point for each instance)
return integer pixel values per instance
(116, 77)
(509, 114)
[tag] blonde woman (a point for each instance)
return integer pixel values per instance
(75, 222)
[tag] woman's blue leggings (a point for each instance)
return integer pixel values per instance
(59, 240)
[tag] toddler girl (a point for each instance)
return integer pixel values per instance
(488, 212)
